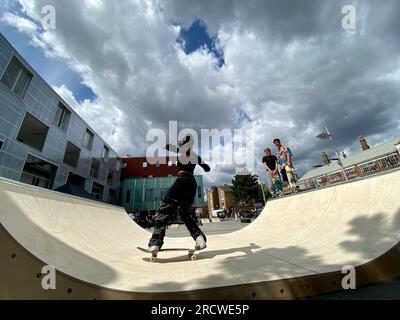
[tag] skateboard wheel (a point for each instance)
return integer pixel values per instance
(153, 259)
(193, 258)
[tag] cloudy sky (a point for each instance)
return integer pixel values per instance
(283, 68)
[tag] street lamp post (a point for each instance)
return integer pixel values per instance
(262, 188)
(326, 135)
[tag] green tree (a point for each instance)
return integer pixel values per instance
(267, 193)
(246, 189)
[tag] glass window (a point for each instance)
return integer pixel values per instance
(351, 172)
(17, 78)
(38, 172)
(88, 142)
(94, 169)
(62, 116)
(106, 153)
(11, 74)
(21, 86)
(112, 196)
(118, 165)
(110, 177)
(97, 191)
(149, 195)
(368, 167)
(33, 132)
(157, 194)
(389, 161)
(71, 155)
(144, 164)
(128, 196)
(1, 144)
(164, 192)
(336, 176)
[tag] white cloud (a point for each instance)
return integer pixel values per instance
(21, 24)
(290, 67)
(106, 121)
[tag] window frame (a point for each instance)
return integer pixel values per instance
(105, 151)
(368, 167)
(79, 156)
(147, 194)
(61, 123)
(118, 165)
(91, 168)
(351, 172)
(22, 68)
(110, 181)
(88, 132)
(20, 127)
(389, 161)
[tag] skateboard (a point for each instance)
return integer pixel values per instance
(191, 253)
(292, 178)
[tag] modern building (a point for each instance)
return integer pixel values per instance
(43, 142)
(382, 157)
(220, 197)
(145, 185)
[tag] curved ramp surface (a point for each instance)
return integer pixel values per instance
(297, 247)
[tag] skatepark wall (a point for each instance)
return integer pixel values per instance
(297, 247)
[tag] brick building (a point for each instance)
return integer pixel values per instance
(145, 185)
(220, 197)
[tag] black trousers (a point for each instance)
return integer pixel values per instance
(181, 196)
(284, 175)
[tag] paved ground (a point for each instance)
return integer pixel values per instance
(387, 290)
(222, 227)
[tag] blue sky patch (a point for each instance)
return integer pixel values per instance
(242, 116)
(196, 37)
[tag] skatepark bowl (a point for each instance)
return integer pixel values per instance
(296, 248)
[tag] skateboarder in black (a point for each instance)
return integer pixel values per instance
(181, 195)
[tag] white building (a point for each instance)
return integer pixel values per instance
(369, 161)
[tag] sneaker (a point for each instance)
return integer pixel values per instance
(154, 249)
(200, 243)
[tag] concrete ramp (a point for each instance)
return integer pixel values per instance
(296, 248)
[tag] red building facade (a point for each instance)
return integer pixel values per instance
(140, 167)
